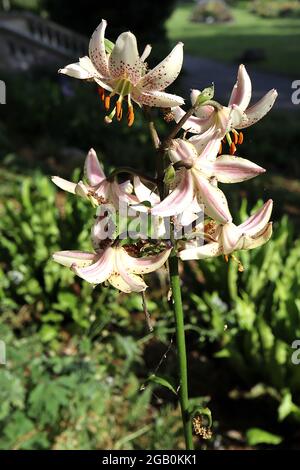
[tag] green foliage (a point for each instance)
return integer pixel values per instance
(211, 11)
(257, 436)
(255, 316)
(276, 8)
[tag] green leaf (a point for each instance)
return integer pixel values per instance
(109, 45)
(163, 382)
(257, 436)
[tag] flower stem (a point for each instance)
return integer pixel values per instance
(181, 350)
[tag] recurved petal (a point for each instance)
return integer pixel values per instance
(68, 258)
(230, 169)
(194, 124)
(242, 90)
(230, 237)
(248, 243)
(124, 60)
(164, 73)
(202, 139)
(97, 51)
(92, 169)
(100, 270)
(257, 221)
(76, 71)
(258, 110)
(213, 199)
(143, 193)
(135, 283)
(158, 99)
(64, 184)
(179, 199)
(205, 251)
(143, 265)
(182, 151)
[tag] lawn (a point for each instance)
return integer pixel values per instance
(280, 38)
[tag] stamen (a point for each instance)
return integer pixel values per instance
(235, 137)
(101, 92)
(108, 119)
(232, 148)
(241, 138)
(130, 115)
(226, 258)
(107, 103)
(119, 109)
(220, 149)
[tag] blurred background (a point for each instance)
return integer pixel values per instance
(78, 359)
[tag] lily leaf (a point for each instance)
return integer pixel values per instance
(163, 382)
(260, 436)
(109, 45)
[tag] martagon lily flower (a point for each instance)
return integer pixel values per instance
(112, 264)
(124, 73)
(98, 190)
(209, 118)
(225, 239)
(199, 179)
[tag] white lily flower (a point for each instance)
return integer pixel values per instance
(200, 177)
(225, 239)
(123, 72)
(112, 264)
(98, 190)
(207, 119)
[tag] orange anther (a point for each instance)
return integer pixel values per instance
(119, 110)
(235, 137)
(241, 138)
(130, 116)
(226, 258)
(107, 103)
(232, 148)
(101, 93)
(220, 149)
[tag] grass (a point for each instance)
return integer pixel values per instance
(280, 38)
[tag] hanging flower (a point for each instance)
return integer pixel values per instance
(209, 118)
(124, 73)
(227, 238)
(99, 190)
(112, 264)
(198, 180)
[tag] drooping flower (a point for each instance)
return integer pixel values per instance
(112, 264)
(123, 72)
(199, 179)
(98, 189)
(209, 118)
(227, 238)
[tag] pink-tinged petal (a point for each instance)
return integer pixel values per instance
(230, 237)
(200, 141)
(68, 258)
(92, 169)
(229, 169)
(194, 124)
(146, 52)
(182, 151)
(258, 110)
(248, 243)
(117, 196)
(242, 90)
(64, 184)
(157, 99)
(210, 151)
(76, 71)
(164, 73)
(213, 199)
(124, 61)
(100, 270)
(257, 221)
(97, 51)
(179, 199)
(205, 251)
(127, 187)
(224, 119)
(102, 191)
(143, 193)
(135, 283)
(143, 265)
(118, 282)
(81, 189)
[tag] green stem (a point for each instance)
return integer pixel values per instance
(181, 351)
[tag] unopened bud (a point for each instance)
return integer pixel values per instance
(206, 95)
